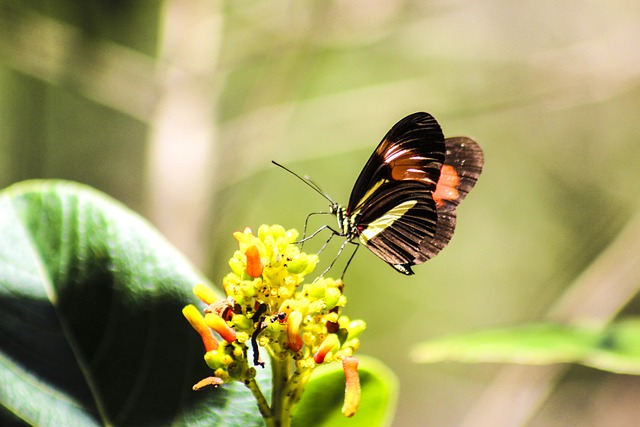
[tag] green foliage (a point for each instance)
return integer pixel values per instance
(320, 404)
(93, 334)
(615, 348)
(90, 303)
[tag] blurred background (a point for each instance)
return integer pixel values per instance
(177, 107)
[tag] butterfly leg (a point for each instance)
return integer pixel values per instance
(314, 234)
(304, 230)
(350, 258)
(306, 223)
(326, 243)
(344, 244)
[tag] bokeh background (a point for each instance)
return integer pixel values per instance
(177, 107)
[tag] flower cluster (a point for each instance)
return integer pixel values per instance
(269, 306)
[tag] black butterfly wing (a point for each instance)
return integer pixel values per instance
(413, 150)
(462, 167)
(391, 206)
(396, 218)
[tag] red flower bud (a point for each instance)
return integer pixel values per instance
(254, 264)
(293, 330)
(327, 345)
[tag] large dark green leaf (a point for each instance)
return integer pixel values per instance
(90, 318)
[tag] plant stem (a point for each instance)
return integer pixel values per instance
(280, 371)
(263, 405)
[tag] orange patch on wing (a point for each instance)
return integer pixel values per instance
(447, 187)
(401, 172)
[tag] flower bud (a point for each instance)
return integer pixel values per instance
(352, 386)
(332, 297)
(298, 265)
(209, 381)
(216, 359)
(241, 321)
(218, 324)
(327, 345)
(356, 327)
(205, 293)
(317, 289)
(254, 264)
(293, 330)
(263, 232)
(237, 266)
(198, 323)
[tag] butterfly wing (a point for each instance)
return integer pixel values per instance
(462, 167)
(413, 150)
(403, 205)
(396, 219)
(391, 205)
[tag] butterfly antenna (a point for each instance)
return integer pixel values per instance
(307, 181)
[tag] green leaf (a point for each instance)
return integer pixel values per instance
(90, 318)
(321, 403)
(615, 348)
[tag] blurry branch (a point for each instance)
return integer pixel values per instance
(182, 140)
(47, 49)
(597, 295)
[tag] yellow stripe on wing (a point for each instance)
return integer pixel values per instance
(379, 225)
(368, 194)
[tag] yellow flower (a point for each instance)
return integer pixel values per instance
(268, 305)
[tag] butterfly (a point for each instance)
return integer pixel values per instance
(403, 204)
